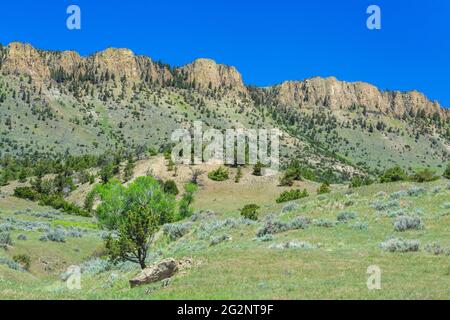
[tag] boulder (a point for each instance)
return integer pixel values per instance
(163, 270)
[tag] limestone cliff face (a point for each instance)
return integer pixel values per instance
(334, 94)
(39, 65)
(203, 74)
(206, 73)
(24, 59)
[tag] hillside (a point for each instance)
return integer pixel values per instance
(228, 257)
(59, 102)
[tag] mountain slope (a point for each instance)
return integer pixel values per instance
(57, 102)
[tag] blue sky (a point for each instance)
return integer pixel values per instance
(268, 41)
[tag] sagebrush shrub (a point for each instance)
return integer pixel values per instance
(323, 223)
(385, 205)
(398, 195)
(55, 235)
(176, 230)
(5, 239)
(416, 191)
(436, 190)
(403, 223)
(28, 225)
(74, 232)
(294, 244)
(22, 237)
(11, 264)
(265, 238)
(400, 245)
(360, 225)
(4, 227)
(206, 229)
(272, 226)
(289, 207)
(434, 248)
(396, 213)
(95, 266)
(299, 223)
(216, 240)
(346, 216)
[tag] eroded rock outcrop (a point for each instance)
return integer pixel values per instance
(163, 270)
(335, 94)
(205, 75)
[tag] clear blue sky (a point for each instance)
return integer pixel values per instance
(268, 41)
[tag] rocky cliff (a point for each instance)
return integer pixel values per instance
(204, 75)
(334, 94)
(207, 74)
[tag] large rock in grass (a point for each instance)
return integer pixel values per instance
(163, 270)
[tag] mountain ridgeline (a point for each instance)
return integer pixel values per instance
(55, 103)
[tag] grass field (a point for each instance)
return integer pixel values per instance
(326, 259)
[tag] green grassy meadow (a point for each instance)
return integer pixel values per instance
(332, 266)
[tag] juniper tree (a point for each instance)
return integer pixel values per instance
(133, 214)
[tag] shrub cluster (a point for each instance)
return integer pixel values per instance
(291, 195)
(323, 223)
(436, 249)
(405, 222)
(447, 172)
(220, 174)
(22, 237)
(424, 175)
(206, 229)
(400, 245)
(55, 235)
(358, 181)
(5, 239)
(257, 169)
(11, 264)
(250, 211)
(360, 225)
(176, 230)
(289, 207)
(54, 200)
(416, 191)
(393, 175)
(4, 227)
(23, 260)
(380, 205)
(398, 195)
(170, 187)
(346, 216)
(294, 244)
(324, 188)
(216, 240)
(396, 213)
(272, 226)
